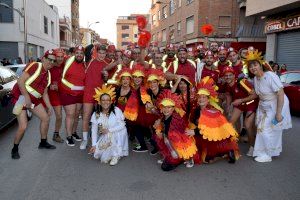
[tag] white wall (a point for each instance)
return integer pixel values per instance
(64, 7)
(36, 10)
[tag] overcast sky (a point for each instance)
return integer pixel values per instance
(107, 12)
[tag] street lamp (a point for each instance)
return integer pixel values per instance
(22, 13)
(89, 30)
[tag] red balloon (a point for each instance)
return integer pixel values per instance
(144, 38)
(141, 21)
(207, 29)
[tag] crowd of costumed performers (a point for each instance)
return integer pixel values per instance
(190, 106)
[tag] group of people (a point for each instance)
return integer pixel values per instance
(190, 107)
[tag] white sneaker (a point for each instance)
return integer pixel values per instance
(160, 161)
(83, 144)
(263, 158)
(250, 151)
(114, 161)
(189, 163)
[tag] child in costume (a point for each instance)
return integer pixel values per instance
(216, 136)
(175, 142)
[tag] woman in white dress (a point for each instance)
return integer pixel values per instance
(109, 133)
(273, 113)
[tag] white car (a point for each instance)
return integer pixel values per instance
(18, 69)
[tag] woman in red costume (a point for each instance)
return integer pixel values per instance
(135, 109)
(216, 136)
(241, 95)
(174, 140)
(53, 92)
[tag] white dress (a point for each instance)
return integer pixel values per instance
(114, 143)
(269, 137)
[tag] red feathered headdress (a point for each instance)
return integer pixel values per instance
(144, 38)
(167, 98)
(207, 29)
(141, 22)
(124, 72)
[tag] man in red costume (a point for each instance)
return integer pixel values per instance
(214, 47)
(222, 59)
(94, 79)
(29, 93)
(184, 67)
(53, 92)
(72, 88)
(209, 68)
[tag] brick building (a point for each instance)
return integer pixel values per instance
(186, 18)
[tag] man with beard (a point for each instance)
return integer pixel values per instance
(183, 67)
(170, 56)
(158, 62)
(53, 92)
(200, 54)
(214, 47)
(72, 87)
(153, 49)
(29, 93)
(209, 68)
(236, 63)
(222, 59)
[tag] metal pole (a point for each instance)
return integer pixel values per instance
(25, 31)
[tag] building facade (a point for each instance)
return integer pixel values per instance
(186, 17)
(69, 14)
(42, 29)
(127, 30)
(282, 28)
(88, 36)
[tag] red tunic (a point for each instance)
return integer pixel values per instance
(75, 75)
(238, 69)
(237, 91)
(214, 74)
(222, 66)
(56, 75)
(39, 84)
(93, 79)
(186, 69)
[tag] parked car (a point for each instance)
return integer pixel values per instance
(291, 83)
(18, 69)
(8, 79)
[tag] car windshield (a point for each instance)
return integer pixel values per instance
(293, 78)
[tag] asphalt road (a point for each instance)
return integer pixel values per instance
(69, 173)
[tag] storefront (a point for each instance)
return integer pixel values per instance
(283, 39)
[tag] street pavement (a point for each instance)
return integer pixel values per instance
(69, 173)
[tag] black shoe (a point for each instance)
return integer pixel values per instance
(15, 154)
(46, 145)
(231, 157)
(167, 167)
(139, 149)
(70, 141)
(76, 137)
(154, 152)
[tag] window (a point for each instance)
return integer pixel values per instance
(178, 28)
(135, 35)
(158, 15)
(42, 51)
(179, 3)
(189, 1)
(45, 25)
(154, 37)
(52, 29)
(190, 25)
(164, 12)
(125, 35)
(6, 15)
(153, 19)
(224, 21)
(124, 43)
(125, 27)
(164, 35)
(172, 7)
(171, 28)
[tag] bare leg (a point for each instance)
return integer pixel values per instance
(87, 113)
(235, 116)
(58, 118)
(41, 113)
(22, 125)
(70, 114)
(76, 118)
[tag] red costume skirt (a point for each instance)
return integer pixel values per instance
(67, 99)
(54, 98)
(252, 107)
(88, 95)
